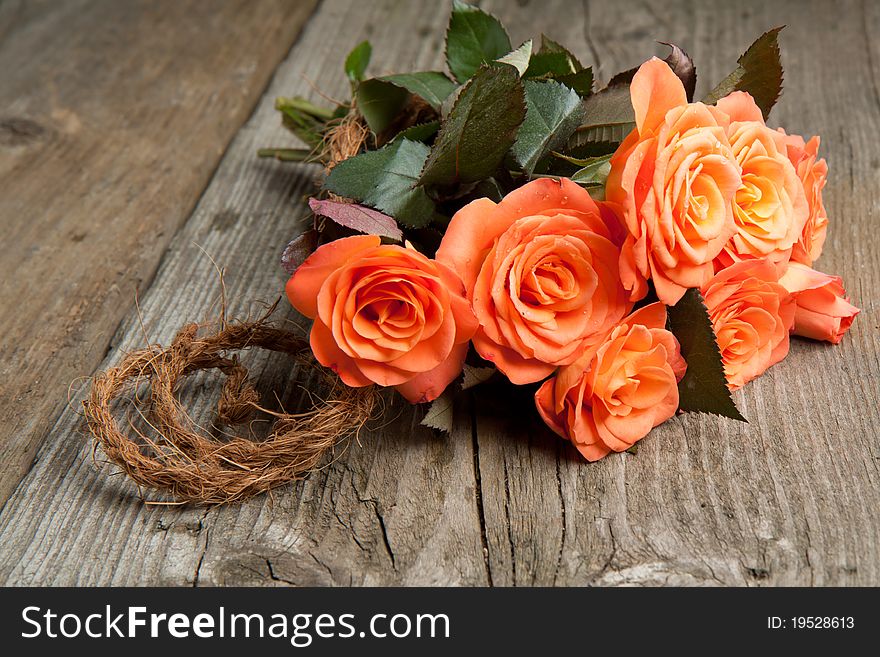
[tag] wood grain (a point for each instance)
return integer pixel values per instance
(113, 116)
(788, 499)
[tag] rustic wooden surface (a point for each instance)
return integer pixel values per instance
(113, 116)
(789, 499)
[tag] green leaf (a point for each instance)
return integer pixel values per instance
(479, 130)
(588, 149)
(432, 86)
(386, 180)
(545, 65)
(759, 72)
(593, 172)
(554, 62)
(609, 118)
(581, 82)
(488, 188)
(420, 131)
(591, 175)
(474, 376)
(302, 118)
(609, 113)
(554, 111)
(519, 58)
(380, 103)
(548, 45)
(381, 100)
(473, 38)
(704, 387)
(357, 61)
(441, 412)
(450, 101)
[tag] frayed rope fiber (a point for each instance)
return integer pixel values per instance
(191, 466)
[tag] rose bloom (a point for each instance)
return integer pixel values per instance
(674, 177)
(752, 315)
(812, 173)
(616, 393)
(823, 311)
(384, 314)
(770, 207)
(540, 269)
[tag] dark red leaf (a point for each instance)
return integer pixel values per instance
(298, 250)
(357, 217)
(683, 66)
(680, 63)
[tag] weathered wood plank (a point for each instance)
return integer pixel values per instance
(400, 509)
(788, 499)
(113, 115)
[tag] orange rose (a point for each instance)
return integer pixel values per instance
(812, 173)
(770, 207)
(384, 314)
(618, 392)
(823, 311)
(752, 315)
(674, 177)
(541, 272)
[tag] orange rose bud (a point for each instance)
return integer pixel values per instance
(384, 314)
(823, 311)
(540, 269)
(812, 173)
(674, 177)
(752, 315)
(619, 391)
(770, 208)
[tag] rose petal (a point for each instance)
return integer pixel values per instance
(740, 106)
(427, 386)
(330, 355)
(303, 287)
(470, 232)
(519, 370)
(655, 89)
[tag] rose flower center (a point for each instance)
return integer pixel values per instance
(390, 310)
(757, 203)
(551, 280)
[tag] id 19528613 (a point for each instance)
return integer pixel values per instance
(811, 623)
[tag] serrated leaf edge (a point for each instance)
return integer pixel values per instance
(445, 121)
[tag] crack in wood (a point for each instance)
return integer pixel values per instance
(478, 490)
(385, 539)
(508, 523)
(276, 578)
(559, 451)
(198, 572)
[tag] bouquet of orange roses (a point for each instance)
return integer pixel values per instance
(627, 252)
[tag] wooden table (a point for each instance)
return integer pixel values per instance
(127, 151)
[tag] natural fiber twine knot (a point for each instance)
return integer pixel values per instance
(238, 399)
(194, 466)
